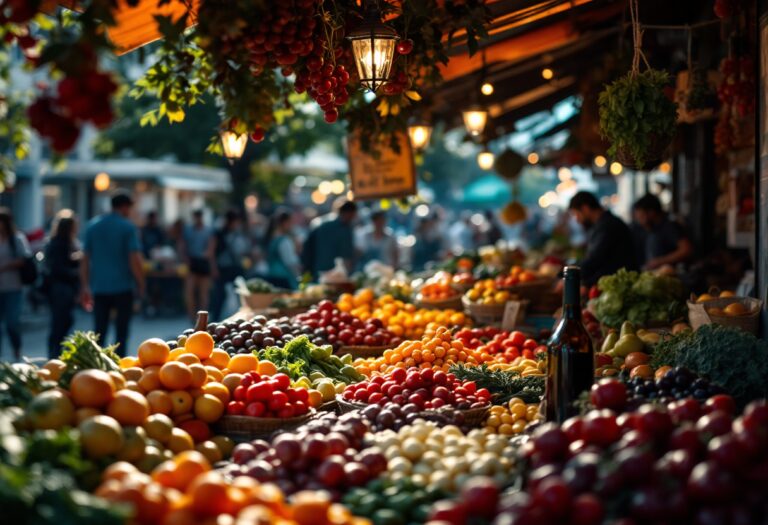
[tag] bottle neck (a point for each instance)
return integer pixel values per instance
(572, 297)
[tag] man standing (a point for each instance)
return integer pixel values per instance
(609, 240)
(663, 241)
(377, 243)
(198, 247)
(330, 240)
(111, 269)
(152, 235)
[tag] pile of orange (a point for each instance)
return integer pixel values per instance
(437, 349)
(186, 491)
(401, 318)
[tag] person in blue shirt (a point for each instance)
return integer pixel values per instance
(111, 270)
(331, 239)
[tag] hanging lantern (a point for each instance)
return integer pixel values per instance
(475, 119)
(419, 132)
(233, 144)
(373, 46)
(486, 159)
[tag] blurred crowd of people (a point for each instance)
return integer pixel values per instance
(105, 267)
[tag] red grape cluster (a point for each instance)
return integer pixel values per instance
(284, 33)
(326, 84)
(339, 328)
(425, 389)
(689, 463)
(78, 100)
(327, 453)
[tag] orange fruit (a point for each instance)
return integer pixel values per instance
(199, 375)
(214, 374)
(735, 309)
(56, 367)
(100, 436)
(51, 409)
(635, 359)
(128, 362)
(158, 427)
(190, 463)
(150, 379)
(209, 408)
(118, 378)
(175, 353)
(200, 344)
(159, 402)
(210, 450)
(118, 471)
(315, 398)
(209, 493)
(182, 402)
(225, 444)
(219, 358)
(189, 359)
(153, 352)
(175, 375)
(644, 371)
(81, 414)
(232, 381)
(218, 390)
(133, 385)
(266, 368)
(661, 371)
(196, 428)
(180, 441)
(92, 388)
(133, 374)
(242, 363)
(129, 408)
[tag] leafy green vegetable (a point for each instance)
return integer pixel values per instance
(81, 351)
(299, 357)
(732, 358)
(638, 297)
(18, 384)
(502, 385)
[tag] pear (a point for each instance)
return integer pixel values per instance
(610, 341)
(627, 344)
(627, 328)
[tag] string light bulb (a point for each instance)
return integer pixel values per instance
(486, 159)
(616, 168)
(486, 89)
(600, 161)
(533, 158)
(547, 73)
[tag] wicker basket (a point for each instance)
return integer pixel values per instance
(532, 289)
(491, 314)
(363, 351)
(329, 406)
(748, 322)
(475, 416)
(348, 406)
(452, 303)
(244, 428)
(258, 301)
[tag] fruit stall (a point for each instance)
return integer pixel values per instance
(371, 409)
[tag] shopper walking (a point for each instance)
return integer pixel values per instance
(152, 235)
(111, 272)
(13, 252)
(62, 277)
(377, 243)
(284, 264)
(197, 248)
(228, 249)
(330, 240)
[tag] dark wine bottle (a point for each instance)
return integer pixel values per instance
(570, 358)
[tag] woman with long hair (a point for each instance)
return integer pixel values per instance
(13, 250)
(281, 249)
(62, 274)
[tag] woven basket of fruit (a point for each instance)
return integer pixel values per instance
(738, 312)
(491, 314)
(329, 406)
(449, 303)
(243, 428)
(348, 406)
(363, 351)
(531, 289)
(258, 301)
(475, 416)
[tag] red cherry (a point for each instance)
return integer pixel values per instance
(258, 134)
(331, 116)
(404, 47)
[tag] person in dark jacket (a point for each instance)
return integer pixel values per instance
(609, 241)
(62, 275)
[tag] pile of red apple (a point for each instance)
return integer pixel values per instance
(344, 329)
(327, 453)
(493, 341)
(425, 388)
(258, 396)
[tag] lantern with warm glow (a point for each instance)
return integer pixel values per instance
(101, 182)
(233, 144)
(616, 168)
(373, 46)
(600, 161)
(486, 89)
(485, 159)
(419, 133)
(475, 119)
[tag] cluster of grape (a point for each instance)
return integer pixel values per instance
(326, 84)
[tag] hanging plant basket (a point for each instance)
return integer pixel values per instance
(638, 118)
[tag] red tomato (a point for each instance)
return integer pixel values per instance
(239, 393)
(260, 391)
(517, 338)
(235, 408)
(527, 354)
(282, 380)
(255, 409)
(530, 344)
(278, 401)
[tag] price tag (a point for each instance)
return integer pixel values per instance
(511, 314)
(698, 316)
